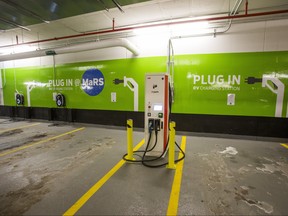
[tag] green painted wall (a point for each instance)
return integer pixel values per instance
(202, 83)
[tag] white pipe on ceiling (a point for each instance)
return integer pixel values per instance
(119, 42)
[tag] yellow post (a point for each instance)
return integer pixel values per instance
(130, 140)
(171, 146)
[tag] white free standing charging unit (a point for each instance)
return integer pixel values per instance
(156, 112)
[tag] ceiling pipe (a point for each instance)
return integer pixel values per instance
(14, 24)
(104, 5)
(246, 7)
(118, 6)
(115, 30)
(120, 42)
(234, 10)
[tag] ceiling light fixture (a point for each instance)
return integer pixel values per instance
(17, 49)
(182, 28)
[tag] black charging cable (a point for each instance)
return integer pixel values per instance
(145, 161)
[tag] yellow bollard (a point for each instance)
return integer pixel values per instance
(130, 140)
(171, 146)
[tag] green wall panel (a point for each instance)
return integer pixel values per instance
(202, 83)
(194, 96)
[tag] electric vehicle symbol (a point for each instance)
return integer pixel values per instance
(276, 86)
(132, 85)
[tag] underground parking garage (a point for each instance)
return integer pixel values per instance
(157, 107)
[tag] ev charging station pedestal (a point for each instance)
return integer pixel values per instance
(157, 116)
(156, 112)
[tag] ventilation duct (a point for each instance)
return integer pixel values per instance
(120, 42)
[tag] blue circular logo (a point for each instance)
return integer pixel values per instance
(92, 82)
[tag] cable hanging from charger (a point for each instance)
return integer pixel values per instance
(154, 127)
(144, 161)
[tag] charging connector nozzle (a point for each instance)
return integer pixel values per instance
(252, 80)
(157, 125)
(151, 125)
(118, 81)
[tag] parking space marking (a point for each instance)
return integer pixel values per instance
(284, 145)
(80, 202)
(25, 126)
(39, 142)
(176, 186)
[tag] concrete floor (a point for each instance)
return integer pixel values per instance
(221, 176)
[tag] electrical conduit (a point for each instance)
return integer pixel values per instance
(1, 90)
(120, 42)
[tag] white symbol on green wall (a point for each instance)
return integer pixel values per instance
(1, 90)
(215, 82)
(132, 85)
(77, 82)
(29, 87)
(276, 86)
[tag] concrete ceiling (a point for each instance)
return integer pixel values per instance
(71, 17)
(19, 13)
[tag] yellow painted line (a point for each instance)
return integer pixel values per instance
(284, 145)
(175, 191)
(25, 126)
(39, 142)
(74, 208)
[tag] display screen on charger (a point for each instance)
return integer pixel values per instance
(157, 107)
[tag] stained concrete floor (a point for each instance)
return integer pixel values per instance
(221, 175)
